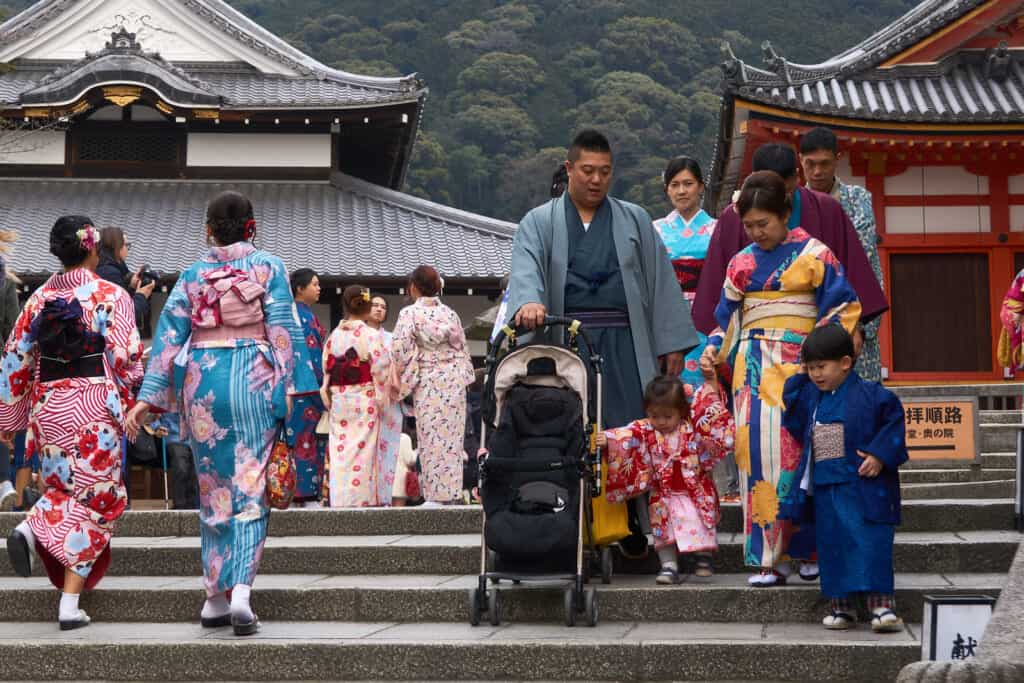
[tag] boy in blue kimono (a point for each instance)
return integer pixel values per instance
(854, 441)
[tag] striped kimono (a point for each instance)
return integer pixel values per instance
(233, 399)
(770, 301)
(74, 425)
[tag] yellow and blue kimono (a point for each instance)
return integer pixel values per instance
(855, 516)
(770, 302)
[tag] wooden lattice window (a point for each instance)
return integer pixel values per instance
(140, 147)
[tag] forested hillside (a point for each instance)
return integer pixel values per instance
(509, 81)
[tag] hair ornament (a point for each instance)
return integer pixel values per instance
(88, 237)
(250, 229)
(365, 295)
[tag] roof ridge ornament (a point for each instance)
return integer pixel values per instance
(997, 62)
(732, 67)
(122, 41)
(775, 61)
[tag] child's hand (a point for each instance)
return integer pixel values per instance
(871, 467)
(707, 369)
(600, 440)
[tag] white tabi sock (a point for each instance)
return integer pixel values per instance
(240, 608)
(668, 557)
(68, 607)
(25, 530)
(215, 606)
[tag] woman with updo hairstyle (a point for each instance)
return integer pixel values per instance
(230, 322)
(307, 448)
(68, 370)
(432, 364)
(357, 392)
(776, 291)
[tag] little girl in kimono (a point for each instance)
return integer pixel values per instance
(670, 455)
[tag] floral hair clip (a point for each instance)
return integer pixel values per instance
(365, 295)
(88, 237)
(250, 229)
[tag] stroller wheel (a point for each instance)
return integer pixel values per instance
(569, 598)
(475, 607)
(495, 607)
(590, 611)
(606, 565)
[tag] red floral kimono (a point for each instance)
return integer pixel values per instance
(74, 423)
(683, 503)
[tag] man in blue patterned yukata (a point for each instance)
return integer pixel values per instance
(819, 156)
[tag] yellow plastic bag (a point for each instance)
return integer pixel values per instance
(611, 520)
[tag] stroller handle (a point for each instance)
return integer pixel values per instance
(510, 330)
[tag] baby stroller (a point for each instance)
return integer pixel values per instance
(542, 402)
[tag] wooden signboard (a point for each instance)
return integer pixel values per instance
(942, 428)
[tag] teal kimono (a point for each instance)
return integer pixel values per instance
(643, 283)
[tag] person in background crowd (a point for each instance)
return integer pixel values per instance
(432, 363)
(559, 181)
(819, 156)
(471, 441)
(776, 291)
(1010, 351)
(232, 311)
(392, 419)
(307, 409)
(9, 308)
(357, 392)
(180, 462)
(854, 440)
(687, 232)
(114, 247)
(820, 216)
(68, 369)
(405, 473)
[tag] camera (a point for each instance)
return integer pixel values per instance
(146, 276)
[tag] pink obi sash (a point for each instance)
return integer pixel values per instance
(219, 336)
(228, 298)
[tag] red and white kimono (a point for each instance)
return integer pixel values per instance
(683, 503)
(75, 424)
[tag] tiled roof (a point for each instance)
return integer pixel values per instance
(969, 86)
(348, 228)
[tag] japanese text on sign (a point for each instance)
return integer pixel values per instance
(940, 430)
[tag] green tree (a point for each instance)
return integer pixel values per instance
(663, 49)
(508, 131)
(503, 73)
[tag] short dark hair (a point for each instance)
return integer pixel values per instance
(766, 191)
(64, 241)
(776, 157)
(667, 390)
(356, 300)
(227, 215)
(387, 306)
(679, 164)
(828, 342)
(427, 280)
(302, 278)
(819, 138)
(589, 140)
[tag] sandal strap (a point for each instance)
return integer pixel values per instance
(836, 614)
(884, 613)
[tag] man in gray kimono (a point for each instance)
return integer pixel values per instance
(598, 259)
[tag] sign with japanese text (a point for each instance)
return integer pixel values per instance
(953, 626)
(942, 429)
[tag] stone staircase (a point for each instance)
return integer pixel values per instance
(383, 595)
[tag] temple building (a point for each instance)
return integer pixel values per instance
(929, 113)
(137, 112)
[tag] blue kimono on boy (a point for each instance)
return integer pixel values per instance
(856, 516)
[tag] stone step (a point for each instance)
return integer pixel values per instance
(999, 460)
(927, 552)
(990, 417)
(612, 651)
(969, 489)
(998, 437)
(946, 476)
(918, 515)
(418, 598)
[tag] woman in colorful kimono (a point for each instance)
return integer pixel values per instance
(306, 409)
(357, 392)
(776, 291)
(230, 320)
(393, 419)
(433, 364)
(1011, 338)
(687, 233)
(68, 370)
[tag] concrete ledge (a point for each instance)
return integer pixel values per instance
(1001, 652)
(966, 489)
(936, 390)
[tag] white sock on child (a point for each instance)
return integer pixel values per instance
(68, 607)
(240, 608)
(215, 606)
(668, 557)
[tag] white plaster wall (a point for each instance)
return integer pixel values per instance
(259, 149)
(934, 181)
(1017, 184)
(845, 173)
(1017, 218)
(41, 147)
(911, 220)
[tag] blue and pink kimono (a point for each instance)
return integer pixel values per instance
(307, 449)
(233, 397)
